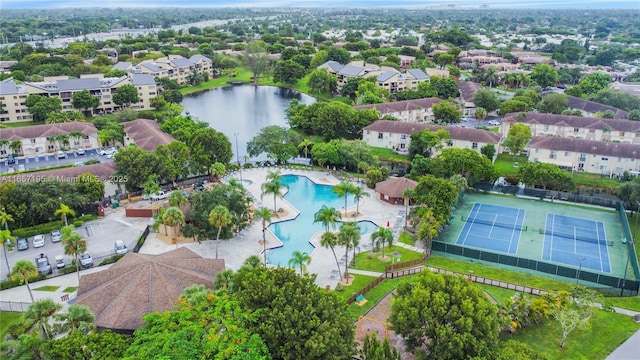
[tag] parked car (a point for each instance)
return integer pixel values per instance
(494, 122)
(43, 265)
(56, 236)
(562, 86)
(79, 163)
(22, 244)
(80, 151)
(159, 196)
(60, 262)
(61, 155)
(86, 260)
(11, 160)
(109, 151)
(21, 167)
(120, 247)
(38, 241)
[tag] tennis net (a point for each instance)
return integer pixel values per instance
(494, 223)
(571, 236)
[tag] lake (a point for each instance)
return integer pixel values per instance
(243, 110)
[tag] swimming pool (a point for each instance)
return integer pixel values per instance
(308, 197)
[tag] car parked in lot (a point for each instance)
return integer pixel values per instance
(60, 262)
(43, 265)
(56, 236)
(61, 155)
(109, 151)
(494, 122)
(22, 244)
(161, 195)
(11, 160)
(38, 241)
(120, 247)
(86, 260)
(80, 151)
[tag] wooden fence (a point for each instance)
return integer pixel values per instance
(405, 264)
(379, 279)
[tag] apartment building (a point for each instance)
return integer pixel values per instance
(174, 67)
(48, 138)
(417, 111)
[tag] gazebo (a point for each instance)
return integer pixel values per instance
(139, 284)
(391, 190)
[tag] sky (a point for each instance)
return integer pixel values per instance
(515, 4)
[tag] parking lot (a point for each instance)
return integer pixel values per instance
(471, 122)
(49, 160)
(100, 235)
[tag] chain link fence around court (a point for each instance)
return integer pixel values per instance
(610, 284)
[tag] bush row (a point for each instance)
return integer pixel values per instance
(50, 226)
(8, 284)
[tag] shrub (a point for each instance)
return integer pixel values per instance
(512, 179)
(67, 269)
(38, 229)
(111, 260)
(8, 284)
(78, 223)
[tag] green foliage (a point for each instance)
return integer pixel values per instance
(256, 58)
(544, 75)
(548, 176)
(291, 304)
(486, 99)
(373, 349)
(9, 284)
(321, 82)
(207, 147)
(84, 100)
(445, 317)
(288, 72)
(426, 142)
(102, 345)
(447, 112)
(466, 162)
(111, 259)
(594, 82)
(41, 106)
(331, 120)
(202, 202)
(517, 138)
(126, 95)
(617, 99)
(553, 103)
(279, 143)
(438, 194)
(489, 150)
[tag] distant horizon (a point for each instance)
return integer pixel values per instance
(354, 4)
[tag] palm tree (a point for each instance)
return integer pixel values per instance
(76, 135)
(219, 217)
(300, 259)
(217, 170)
(382, 235)
(273, 187)
(265, 215)
(348, 235)
(344, 189)
(459, 181)
(428, 228)
(330, 240)
(159, 219)
(178, 199)
(22, 272)
(77, 318)
(5, 234)
(407, 194)
(39, 312)
(64, 139)
(74, 245)
(16, 147)
(358, 194)
(305, 145)
(491, 75)
(4, 143)
(63, 212)
(173, 217)
(327, 216)
(252, 262)
(224, 279)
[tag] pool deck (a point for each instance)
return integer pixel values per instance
(248, 242)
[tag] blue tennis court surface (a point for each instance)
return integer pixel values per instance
(492, 227)
(577, 242)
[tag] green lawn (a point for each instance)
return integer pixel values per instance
(627, 302)
(363, 262)
(504, 164)
(374, 295)
(499, 274)
(388, 154)
(594, 180)
(10, 125)
(70, 289)
(50, 288)
(7, 318)
(407, 238)
(499, 294)
(608, 331)
(358, 283)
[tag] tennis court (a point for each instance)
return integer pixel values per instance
(576, 242)
(492, 227)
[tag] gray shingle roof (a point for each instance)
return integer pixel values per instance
(351, 70)
(195, 58)
(142, 79)
(593, 147)
(152, 67)
(8, 87)
(386, 76)
(121, 65)
(78, 84)
(592, 107)
(182, 62)
(457, 133)
(334, 65)
(574, 121)
(418, 74)
(397, 106)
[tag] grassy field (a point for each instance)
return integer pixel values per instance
(50, 288)
(363, 262)
(608, 331)
(70, 289)
(629, 302)
(499, 294)
(7, 318)
(388, 154)
(373, 296)
(504, 164)
(407, 238)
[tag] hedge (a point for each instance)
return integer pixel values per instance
(8, 284)
(111, 260)
(48, 227)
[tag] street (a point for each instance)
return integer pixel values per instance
(49, 160)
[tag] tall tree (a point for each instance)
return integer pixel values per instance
(382, 235)
(576, 312)
(294, 304)
(343, 190)
(553, 103)
(273, 186)
(358, 193)
(41, 106)
(40, 313)
(544, 75)
(517, 138)
(486, 99)
(84, 100)
(74, 245)
(64, 211)
(263, 214)
(328, 217)
(22, 272)
(300, 259)
(256, 58)
(77, 318)
(219, 217)
(348, 236)
(279, 143)
(126, 95)
(444, 317)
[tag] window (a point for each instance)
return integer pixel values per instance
(474, 145)
(566, 153)
(552, 155)
(638, 134)
(593, 131)
(605, 159)
(33, 141)
(560, 127)
(583, 157)
(619, 159)
(403, 137)
(575, 130)
(380, 135)
(546, 127)
(621, 133)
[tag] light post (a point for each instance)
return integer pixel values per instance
(579, 269)
(238, 156)
(4, 244)
(406, 204)
(624, 278)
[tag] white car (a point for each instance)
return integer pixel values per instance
(60, 261)
(56, 236)
(38, 241)
(80, 151)
(159, 196)
(86, 260)
(61, 155)
(494, 122)
(120, 247)
(109, 151)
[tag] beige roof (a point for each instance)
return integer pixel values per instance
(394, 187)
(139, 284)
(44, 130)
(147, 134)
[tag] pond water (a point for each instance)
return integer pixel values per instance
(243, 110)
